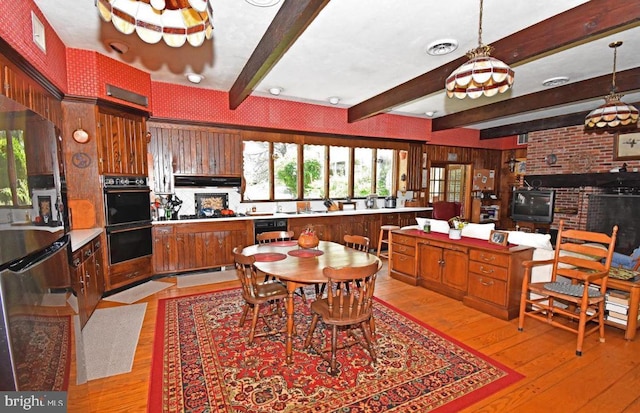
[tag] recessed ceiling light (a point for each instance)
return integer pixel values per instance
(334, 100)
(555, 81)
(430, 113)
(263, 3)
(275, 91)
(194, 77)
(442, 47)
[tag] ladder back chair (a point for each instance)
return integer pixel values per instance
(258, 294)
(346, 309)
(274, 236)
(574, 298)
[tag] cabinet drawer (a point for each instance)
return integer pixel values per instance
(404, 249)
(489, 257)
(403, 239)
(403, 263)
(488, 289)
(489, 270)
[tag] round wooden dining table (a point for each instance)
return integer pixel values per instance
(298, 267)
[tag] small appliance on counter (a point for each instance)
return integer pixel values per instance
(371, 201)
(390, 202)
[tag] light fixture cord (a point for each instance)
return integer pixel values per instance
(480, 26)
(613, 80)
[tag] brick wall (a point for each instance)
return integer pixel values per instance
(576, 152)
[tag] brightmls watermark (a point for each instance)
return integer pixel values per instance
(33, 401)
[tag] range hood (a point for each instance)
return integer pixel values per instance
(206, 181)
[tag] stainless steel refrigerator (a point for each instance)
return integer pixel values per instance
(35, 335)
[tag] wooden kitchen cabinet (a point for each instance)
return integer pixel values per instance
(88, 277)
(196, 246)
(443, 267)
(128, 272)
(122, 143)
(403, 259)
(206, 152)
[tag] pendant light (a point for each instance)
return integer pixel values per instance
(482, 75)
(613, 114)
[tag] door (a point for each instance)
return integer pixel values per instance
(430, 266)
(454, 270)
(451, 183)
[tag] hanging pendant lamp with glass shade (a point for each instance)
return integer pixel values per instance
(481, 75)
(613, 114)
(174, 21)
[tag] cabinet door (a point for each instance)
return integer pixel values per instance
(224, 153)
(122, 147)
(78, 284)
(455, 268)
(160, 149)
(164, 249)
(430, 264)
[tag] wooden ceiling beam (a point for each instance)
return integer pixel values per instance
(573, 92)
(290, 22)
(593, 18)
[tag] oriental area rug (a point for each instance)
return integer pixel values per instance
(202, 363)
(41, 351)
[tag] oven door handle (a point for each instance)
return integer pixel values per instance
(112, 190)
(128, 227)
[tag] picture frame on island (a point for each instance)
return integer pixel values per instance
(626, 146)
(498, 237)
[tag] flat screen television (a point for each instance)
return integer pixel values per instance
(533, 205)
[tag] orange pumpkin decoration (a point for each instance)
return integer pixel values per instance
(308, 238)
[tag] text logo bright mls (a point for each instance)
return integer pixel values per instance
(25, 401)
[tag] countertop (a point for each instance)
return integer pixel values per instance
(80, 237)
(292, 215)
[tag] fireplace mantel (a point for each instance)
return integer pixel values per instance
(607, 180)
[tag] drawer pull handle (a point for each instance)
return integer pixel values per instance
(484, 271)
(486, 283)
(488, 258)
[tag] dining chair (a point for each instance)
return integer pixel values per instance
(258, 294)
(581, 258)
(345, 309)
(273, 236)
(357, 242)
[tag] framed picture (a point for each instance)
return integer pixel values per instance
(44, 209)
(498, 237)
(626, 146)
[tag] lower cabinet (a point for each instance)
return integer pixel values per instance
(88, 277)
(195, 246)
(481, 275)
(443, 267)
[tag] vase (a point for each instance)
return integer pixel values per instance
(308, 241)
(455, 233)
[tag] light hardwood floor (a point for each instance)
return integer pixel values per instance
(605, 378)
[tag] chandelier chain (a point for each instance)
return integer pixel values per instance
(480, 26)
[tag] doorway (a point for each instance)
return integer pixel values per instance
(451, 183)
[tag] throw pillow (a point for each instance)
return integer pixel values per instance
(437, 225)
(530, 239)
(479, 231)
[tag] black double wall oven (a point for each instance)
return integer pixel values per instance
(128, 218)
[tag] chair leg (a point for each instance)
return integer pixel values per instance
(312, 328)
(601, 320)
(372, 326)
(369, 340)
(254, 322)
(334, 345)
(245, 311)
(582, 322)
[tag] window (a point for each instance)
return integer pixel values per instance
(14, 189)
(447, 183)
(286, 171)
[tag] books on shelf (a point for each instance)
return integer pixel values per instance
(613, 307)
(616, 320)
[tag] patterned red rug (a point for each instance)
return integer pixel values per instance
(202, 363)
(42, 353)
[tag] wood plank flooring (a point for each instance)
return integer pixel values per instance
(605, 378)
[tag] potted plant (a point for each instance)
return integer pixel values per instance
(456, 224)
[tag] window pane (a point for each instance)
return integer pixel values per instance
(436, 184)
(13, 163)
(285, 169)
(363, 172)
(256, 170)
(20, 164)
(338, 169)
(314, 176)
(384, 172)
(5, 187)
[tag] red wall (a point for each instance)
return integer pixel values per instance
(15, 29)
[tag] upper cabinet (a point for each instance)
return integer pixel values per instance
(192, 150)
(122, 143)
